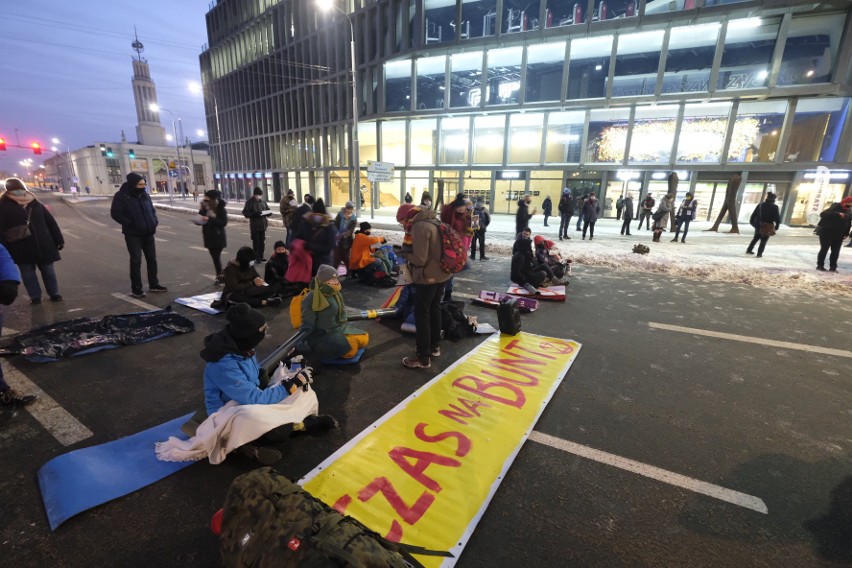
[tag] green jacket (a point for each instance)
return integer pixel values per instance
(327, 333)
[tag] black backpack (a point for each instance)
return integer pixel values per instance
(454, 323)
(509, 316)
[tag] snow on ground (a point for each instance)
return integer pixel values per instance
(788, 263)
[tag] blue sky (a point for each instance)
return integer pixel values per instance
(65, 68)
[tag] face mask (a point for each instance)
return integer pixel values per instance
(335, 285)
(18, 192)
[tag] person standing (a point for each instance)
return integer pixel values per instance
(765, 213)
(627, 205)
(833, 227)
(580, 202)
(9, 281)
(408, 198)
(619, 206)
(286, 207)
(661, 216)
(344, 223)
(424, 261)
(546, 209)
(523, 215)
(457, 216)
(32, 237)
(213, 229)
(645, 213)
(591, 212)
(686, 214)
(566, 211)
(481, 220)
(298, 216)
(132, 208)
(254, 212)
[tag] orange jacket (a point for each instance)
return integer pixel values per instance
(361, 254)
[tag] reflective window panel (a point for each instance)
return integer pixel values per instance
(564, 13)
(544, 72)
(588, 68)
(439, 18)
(653, 134)
(398, 85)
(756, 131)
(504, 75)
(749, 44)
(520, 16)
(810, 50)
(479, 18)
(564, 137)
(466, 79)
(612, 9)
(816, 130)
(636, 62)
(393, 142)
(525, 138)
(488, 139)
(423, 138)
(702, 132)
(690, 58)
(431, 78)
(455, 136)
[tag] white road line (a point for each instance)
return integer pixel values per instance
(202, 249)
(65, 428)
(10, 331)
(161, 230)
(682, 481)
(75, 310)
(459, 279)
(70, 234)
(159, 240)
(755, 340)
(463, 295)
(210, 276)
(134, 301)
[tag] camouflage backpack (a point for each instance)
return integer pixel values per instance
(270, 521)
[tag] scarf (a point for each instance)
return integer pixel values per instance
(320, 301)
(407, 222)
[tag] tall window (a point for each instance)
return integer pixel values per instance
(488, 139)
(431, 78)
(398, 85)
(607, 135)
(504, 75)
(479, 18)
(690, 58)
(653, 134)
(588, 68)
(749, 44)
(525, 138)
(810, 50)
(702, 132)
(198, 174)
(423, 142)
(564, 137)
(816, 130)
(440, 15)
(466, 79)
(455, 137)
(114, 170)
(636, 63)
(393, 141)
(544, 72)
(756, 131)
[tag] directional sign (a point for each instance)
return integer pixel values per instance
(375, 176)
(380, 168)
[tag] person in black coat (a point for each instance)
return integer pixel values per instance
(320, 236)
(298, 216)
(566, 211)
(766, 212)
(524, 271)
(31, 235)
(213, 229)
(523, 215)
(254, 210)
(546, 209)
(832, 229)
(132, 208)
(627, 206)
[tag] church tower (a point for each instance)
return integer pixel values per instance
(149, 131)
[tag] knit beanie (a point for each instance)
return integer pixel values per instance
(257, 191)
(326, 273)
(133, 178)
(244, 257)
(279, 244)
(349, 205)
(15, 183)
(459, 200)
(244, 321)
(365, 226)
(318, 206)
(213, 194)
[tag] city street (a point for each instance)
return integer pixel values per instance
(705, 422)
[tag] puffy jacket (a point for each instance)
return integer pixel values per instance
(832, 225)
(766, 212)
(426, 249)
(135, 213)
(566, 204)
(628, 208)
(8, 269)
(213, 231)
(252, 211)
(591, 210)
(42, 246)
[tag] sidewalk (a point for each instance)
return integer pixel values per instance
(788, 263)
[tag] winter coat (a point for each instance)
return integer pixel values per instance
(424, 259)
(521, 270)
(663, 209)
(134, 212)
(832, 225)
(232, 375)
(619, 203)
(687, 210)
(327, 330)
(237, 280)
(648, 203)
(45, 240)
(8, 270)
(252, 211)
(766, 212)
(484, 216)
(322, 241)
(276, 268)
(547, 206)
(297, 217)
(362, 253)
(628, 208)
(213, 231)
(522, 217)
(345, 229)
(301, 263)
(566, 205)
(591, 210)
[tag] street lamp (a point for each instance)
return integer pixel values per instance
(354, 186)
(197, 88)
(157, 108)
(68, 162)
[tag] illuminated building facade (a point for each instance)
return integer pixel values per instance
(502, 97)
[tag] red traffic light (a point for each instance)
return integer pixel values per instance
(36, 148)
(2, 144)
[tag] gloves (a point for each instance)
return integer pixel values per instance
(302, 380)
(8, 291)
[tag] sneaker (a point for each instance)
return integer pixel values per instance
(15, 400)
(567, 237)
(319, 423)
(137, 294)
(158, 288)
(436, 352)
(56, 298)
(264, 456)
(35, 301)
(416, 363)
(749, 252)
(821, 268)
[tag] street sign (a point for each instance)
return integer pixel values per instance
(380, 168)
(376, 176)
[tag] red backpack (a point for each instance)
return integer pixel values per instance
(453, 252)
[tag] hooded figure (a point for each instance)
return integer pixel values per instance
(244, 284)
(31, 235)
(765, 219)
(254, 210)
(319, 234)
(324, 318)
(524, 271)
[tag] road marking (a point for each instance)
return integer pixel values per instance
(210, 276)
(134, 301)
(65, 428)
(755, 340)
(202, 249)
(89, 219)
(463, 295)
(70, 234)
(723, 494)
(75, 310)
(159, 240)
(161, 230)
(459, 279)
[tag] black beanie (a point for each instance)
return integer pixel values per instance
(244, 257)
(213, 194)
(318, 206)
(365, 226)
(15, 183)
(133, 178)
(279, 244)
(258, 191)
(244, 321)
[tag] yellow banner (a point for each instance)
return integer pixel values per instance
(425, 472)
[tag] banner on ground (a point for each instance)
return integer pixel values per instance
(424, 473)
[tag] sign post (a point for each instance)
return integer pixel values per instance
(377, 172)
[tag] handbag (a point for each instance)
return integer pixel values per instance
(19, 232)
(767, 229)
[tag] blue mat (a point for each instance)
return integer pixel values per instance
(82, 479)
(351, 361)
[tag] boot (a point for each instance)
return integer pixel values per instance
(260, 454)
(11, 398)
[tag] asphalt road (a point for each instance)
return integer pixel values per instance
(768, 421)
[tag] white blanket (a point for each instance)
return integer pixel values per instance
(234, 425)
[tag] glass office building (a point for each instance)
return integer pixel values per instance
(502, 97)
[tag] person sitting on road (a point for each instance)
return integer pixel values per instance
(244, 284)
(324, 318)
(524, 271)
(275, 272)
(552, 263)
(363, 265)
(300, 265)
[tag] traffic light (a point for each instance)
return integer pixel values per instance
(2, 144)
(36, 148)
(131, 153)
(109, 153)
(103, 150)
